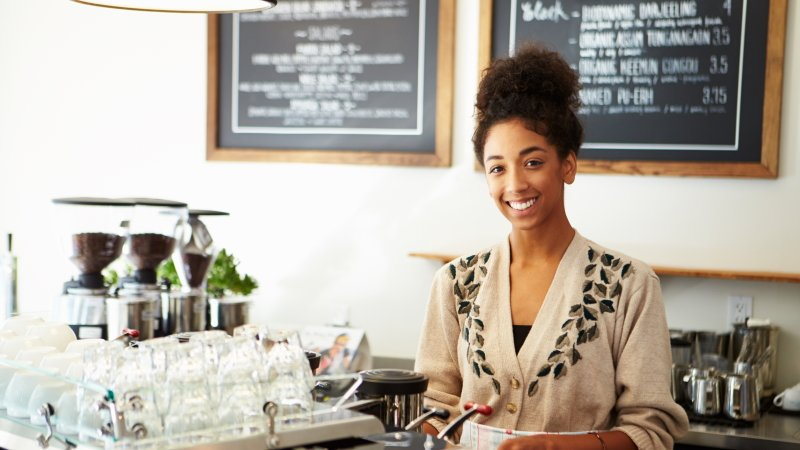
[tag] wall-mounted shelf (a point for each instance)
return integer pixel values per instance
(673, 271)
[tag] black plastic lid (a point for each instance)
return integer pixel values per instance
(206, 212)
(143, 201)
(392, 382)
(93, 201)
(679, 342)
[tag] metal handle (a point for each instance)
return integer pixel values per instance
(470, 409)
(429, 412)
(271, 410)
(348, 394)
(46, 411)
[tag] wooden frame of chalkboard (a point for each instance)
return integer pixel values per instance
(757, 114)
(420, 135)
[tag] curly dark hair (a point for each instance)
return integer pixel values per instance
(537, 86)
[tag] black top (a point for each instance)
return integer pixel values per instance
(93, 201)
(520, 333)
(392, 382)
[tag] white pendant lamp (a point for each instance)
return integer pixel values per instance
(185, 6)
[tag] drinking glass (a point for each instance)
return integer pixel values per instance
(188, 397)
(237, 388)
(290, 380)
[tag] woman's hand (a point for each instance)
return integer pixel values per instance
(429, 429)
(536, 442)
(608, 440)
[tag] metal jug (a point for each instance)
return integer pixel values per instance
(741, 397)
(707, 398)
(759, 339)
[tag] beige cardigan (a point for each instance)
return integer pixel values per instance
(597, 356)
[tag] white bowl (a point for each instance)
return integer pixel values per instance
(6, 374)
(58, 335)
(35, 354)
(19, 391)
(5, 334)
(75, 370)
(67, 413)
(59, 362)
(20, 324)
(82, 344)
(12, 346)
(46, 392)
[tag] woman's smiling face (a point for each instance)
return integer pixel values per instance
(525, 175)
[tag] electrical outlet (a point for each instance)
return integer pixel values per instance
(740, 308)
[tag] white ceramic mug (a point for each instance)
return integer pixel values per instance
(789, 399)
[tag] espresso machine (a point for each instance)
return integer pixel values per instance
(154, 229)
(94, 238)
(187, 309)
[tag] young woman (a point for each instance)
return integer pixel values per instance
(565, 339)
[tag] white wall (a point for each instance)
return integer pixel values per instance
(112, 103)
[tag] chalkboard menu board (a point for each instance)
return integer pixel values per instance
(365, 81)
(685, 87)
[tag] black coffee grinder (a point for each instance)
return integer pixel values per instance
(187, 309)
(94, 239)
(154, 230)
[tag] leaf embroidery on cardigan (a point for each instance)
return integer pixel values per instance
(603, 285)
(467, 275)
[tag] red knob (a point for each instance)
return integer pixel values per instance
(484, 410)
(131, 332)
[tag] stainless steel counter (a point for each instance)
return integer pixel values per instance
(772, 432)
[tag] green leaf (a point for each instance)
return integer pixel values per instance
(496, 386)
(533, 388)
(224, 278)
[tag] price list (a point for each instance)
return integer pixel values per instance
(330, 67)
(654, 74)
